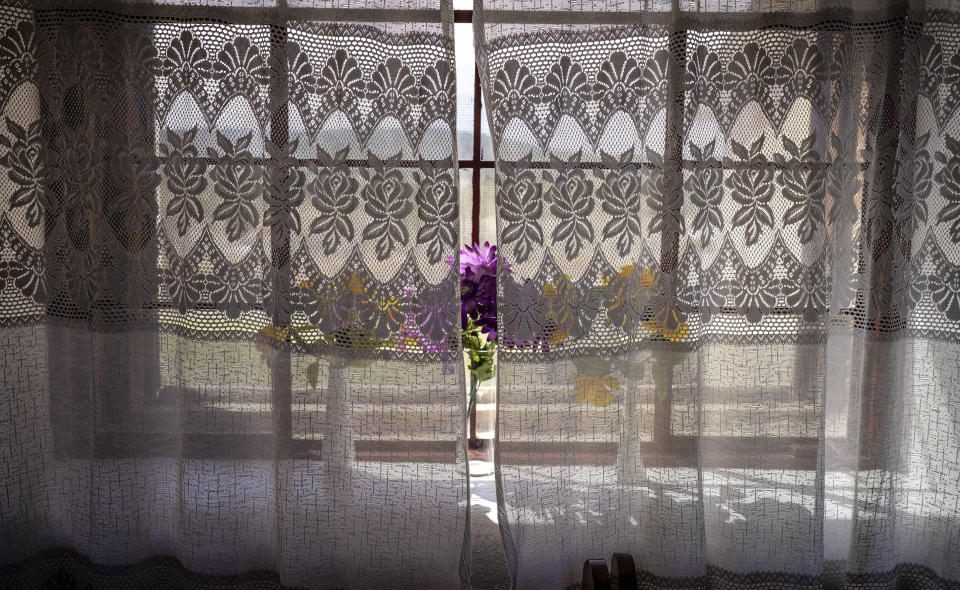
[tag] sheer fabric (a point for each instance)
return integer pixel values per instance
(730, 330)
(228, 296)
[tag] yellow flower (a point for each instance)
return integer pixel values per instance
(355, 284)
(274, 333)
(557, 337)
(365, 341)
(557, 311)
(593, 390)
(308, 285)
(389, 305)
(552, 289)
(646, 278)
(662, 332)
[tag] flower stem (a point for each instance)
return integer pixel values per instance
(474, 386)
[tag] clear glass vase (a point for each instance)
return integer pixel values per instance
(481, 397)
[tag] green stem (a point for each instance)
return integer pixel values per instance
(474, 386)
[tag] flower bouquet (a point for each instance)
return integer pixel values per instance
(478, 313)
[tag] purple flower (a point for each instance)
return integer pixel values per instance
(479, 261)
(478, 293)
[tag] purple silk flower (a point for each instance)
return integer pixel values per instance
(478, 281)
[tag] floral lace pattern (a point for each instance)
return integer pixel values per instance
(786, 189)
(161, 166)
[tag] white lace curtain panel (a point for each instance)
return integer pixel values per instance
(734, 231)
(729, 332)
(226, 306)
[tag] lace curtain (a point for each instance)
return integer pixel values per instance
(228, 296)
(729, 335)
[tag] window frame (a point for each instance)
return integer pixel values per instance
(666, 448)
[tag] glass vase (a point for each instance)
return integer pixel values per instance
(481, 397)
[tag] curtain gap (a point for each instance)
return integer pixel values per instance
(474, 442)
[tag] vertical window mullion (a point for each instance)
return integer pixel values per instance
(477, 110)
(281, 376)
(672, 181)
